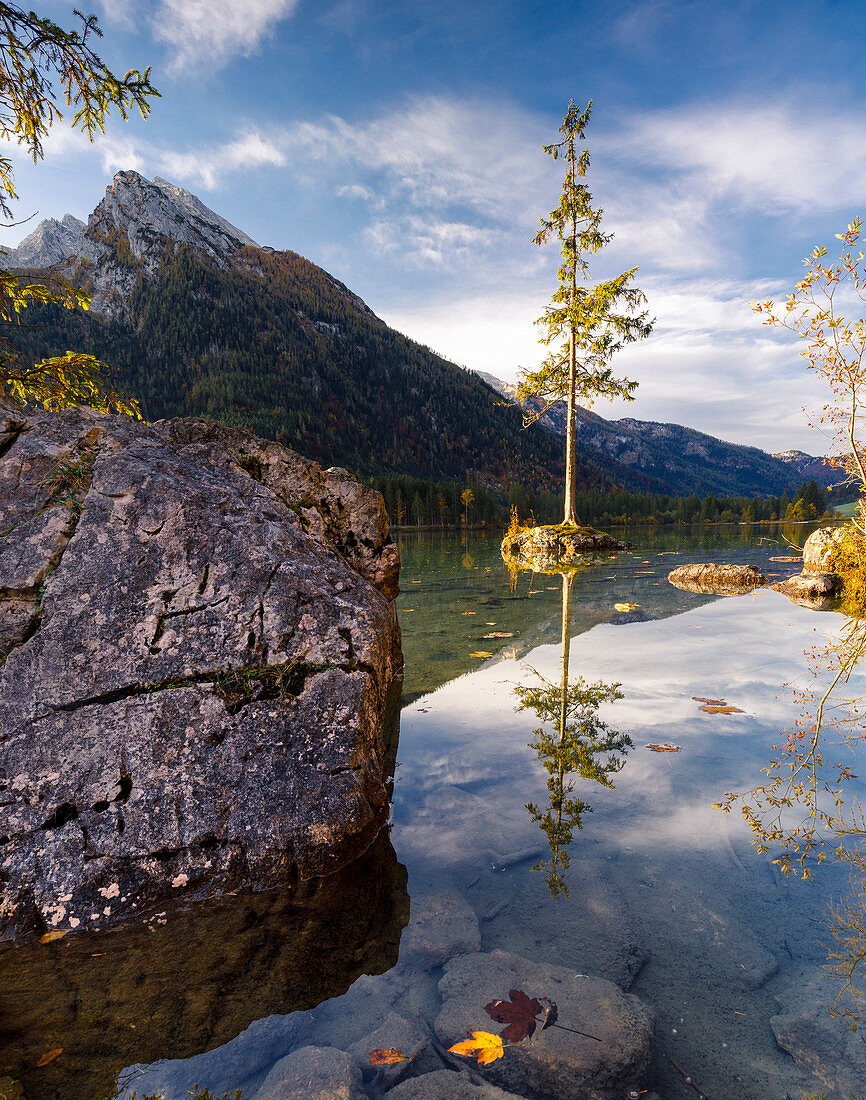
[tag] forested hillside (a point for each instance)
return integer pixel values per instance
(275, 344)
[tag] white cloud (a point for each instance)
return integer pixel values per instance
(206, 167)
(207, 33)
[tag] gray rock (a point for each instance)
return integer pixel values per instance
(819, 547)
(199, 696)
(556, 1063)
(313, 1073)
(811, 589)
(547, 547)
(410, 1037)
(446, 1085)
(723, 579)
(591, 932)
(818, 1042)
(443, 925)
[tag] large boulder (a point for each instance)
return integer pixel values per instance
(812, 589)
(726, 580)
(200, 663)
(820, 546)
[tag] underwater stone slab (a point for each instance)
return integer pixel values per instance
(207, 702)
(410, 1037)
(445, 1083)
(314, 1073)
(556, 1064)
(443, 925)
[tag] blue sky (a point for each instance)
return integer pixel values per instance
(397, 144)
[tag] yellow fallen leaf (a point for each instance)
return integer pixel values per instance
(663, 746)
(498, 634)
(486, 1046)
(386, 1057)
(480, 653)
(468, 612)
(50, 1056)
(624, 606)
(50, 937)
(723, 710)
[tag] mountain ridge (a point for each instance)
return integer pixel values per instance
(200, 320)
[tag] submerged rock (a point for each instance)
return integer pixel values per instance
(201, 652)
(314, 1073)
(557, 1063)
(550, 547)
(190, 978)
(729, 580)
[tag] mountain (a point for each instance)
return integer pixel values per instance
(196, 318)
(695, 462)
(49, 243)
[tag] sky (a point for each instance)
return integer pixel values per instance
(397, 143)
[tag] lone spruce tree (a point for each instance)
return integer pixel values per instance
(581, 319)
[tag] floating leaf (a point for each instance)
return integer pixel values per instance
(386, 1057)
(663, 746)
(723, 710)
(480, 653)
(710, 702)
(519, 1013)
(784, 559)
(624, 606)
(486, 1046)
(50, 937)
(468, 612)
(498, 634)
(50, 1056)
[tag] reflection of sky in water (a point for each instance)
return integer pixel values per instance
(740, 649)
(693, 895)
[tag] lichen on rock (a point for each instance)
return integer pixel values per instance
(198, 677)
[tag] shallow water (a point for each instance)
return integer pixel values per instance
(665, 894)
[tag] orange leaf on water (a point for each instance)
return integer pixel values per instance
(723, 710)
(50, 937)
(50, 1056)
(386, 1057)
(498, 634)
(710, 702)
(624, 606)
(483, 1044)
(480, 653)
(663, 746)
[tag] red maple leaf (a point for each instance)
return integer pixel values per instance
(519, 1013)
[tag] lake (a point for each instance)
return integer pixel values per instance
(649, 886)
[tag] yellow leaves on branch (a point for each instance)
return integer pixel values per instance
(483, 1045)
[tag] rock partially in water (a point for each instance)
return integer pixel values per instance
(410, 1037)
(551, 547)
(726, 580)
(819, 547)
(812, 589)
(314, 1073)
(191, 978)
(556, 1064)
(200, 667)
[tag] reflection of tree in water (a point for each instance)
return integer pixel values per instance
(582, 746)
(806, 813)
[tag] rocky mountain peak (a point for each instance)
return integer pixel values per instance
(50, 242)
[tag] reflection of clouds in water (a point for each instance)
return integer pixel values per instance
(744, 651)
